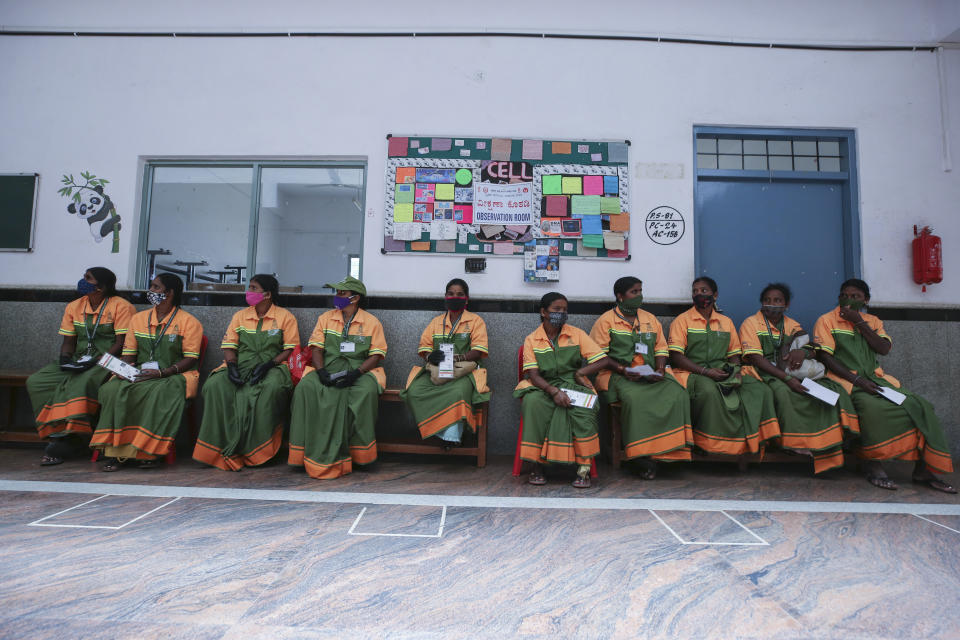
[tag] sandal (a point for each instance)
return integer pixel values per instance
(934, 483)
(582, 482)
(882, 482)
(111, 465)
(648, 469)
(536, 478)
(49, 461)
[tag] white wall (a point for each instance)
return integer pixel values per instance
(103, 104)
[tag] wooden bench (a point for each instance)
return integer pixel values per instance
(15, 380)
(417, 445)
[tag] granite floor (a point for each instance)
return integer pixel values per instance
(137, 554)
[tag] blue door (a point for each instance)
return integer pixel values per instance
(752, 232)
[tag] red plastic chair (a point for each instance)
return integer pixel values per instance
(517, 462)
(190, 412)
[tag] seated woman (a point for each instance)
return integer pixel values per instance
(335, 411)
(849, 340)
(655, 408)
(64, 395)
(732, 415)
(807, 425)
(139, 420)
(246, 399)
(443, 405)
(554, 429)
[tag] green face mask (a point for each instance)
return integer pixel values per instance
(856, 305)
(630, 305)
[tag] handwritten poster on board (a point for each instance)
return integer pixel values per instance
(491, 192)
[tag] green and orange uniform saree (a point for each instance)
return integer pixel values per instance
(443, 410)
(910, 431)
(141, 419)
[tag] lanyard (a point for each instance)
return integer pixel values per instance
(153, 345)
(346, 325)
(633, 325)
(453, 325)
(86, 328)
(776, 343)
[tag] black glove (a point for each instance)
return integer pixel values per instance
(349, 378)
(233, 373)
(89, 364)
(324, 376)
(435, 357)
(260, 372)
(66, 363)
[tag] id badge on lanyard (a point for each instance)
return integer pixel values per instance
(641, 348)
(348, 347)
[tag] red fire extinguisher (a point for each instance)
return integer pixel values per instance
(927, 257)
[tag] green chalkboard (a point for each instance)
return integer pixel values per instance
(17, 198)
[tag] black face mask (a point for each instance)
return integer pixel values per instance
(702, 300)
(557, 318)
(455, 303)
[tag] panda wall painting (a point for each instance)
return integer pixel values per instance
(91, 203)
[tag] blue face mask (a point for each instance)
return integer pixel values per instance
(341, 302)
(85, 288)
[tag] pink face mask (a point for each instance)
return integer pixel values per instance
(254, 298)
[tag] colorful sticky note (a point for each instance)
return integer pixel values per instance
(592, 225)
(556, 206)
(423, 150)
(458, 143)
(585, 205)
(481, 144)
(583, 250)
(423, 245)
(464, 153)
(406, 175)
(500, 148)
(622, 253)
(403, 212)
(620, 222)
(445, 192)
(397, 147)
(463, 213)
(616, 152)
(414, 144)
(392, 244)
(596, 157)
(403, 193)
(464, 176)
(593, 185)
(571, 185)
(593, 240)
(533, 149)
(441, 144)
(503, 248)
(583, 148)
(424, 193)
(446, 246)
(611, 184)
(613, 240)
(610, 204)
(552, 184)
(559, 148)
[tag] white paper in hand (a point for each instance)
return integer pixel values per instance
(642, 370)
(580, 399)
(892, 395)
(820, 392)
(119, 367)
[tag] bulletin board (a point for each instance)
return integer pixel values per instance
(491, 196)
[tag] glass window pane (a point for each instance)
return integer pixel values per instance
(310, 220)
(779, 147)
(829, 164)
(755, 163)
(803, 163)
(731, 162)
(755, 147)
(781, 163)
(706, 145)
(804, 148)
(730, 146)
(828, 148)
(706, 161)
(200, 214)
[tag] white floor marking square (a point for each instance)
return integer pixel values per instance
(936, 523)
(40, 522)
(761, 542)
(438, 534)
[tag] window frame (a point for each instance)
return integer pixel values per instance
(256, 165)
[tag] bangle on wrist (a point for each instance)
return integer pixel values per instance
(855, 380)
